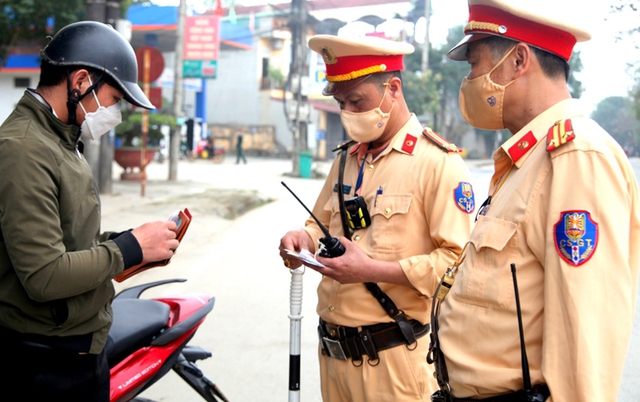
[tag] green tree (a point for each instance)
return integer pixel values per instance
(635, 93)
(627, 6)
(30, 21)
(447, 119)
(125, 4)
(633, 33)
(616, 114)
(575, 66)
(130, 130)
(421, 92)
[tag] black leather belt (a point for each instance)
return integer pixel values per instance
(347, 342)
(541, 390)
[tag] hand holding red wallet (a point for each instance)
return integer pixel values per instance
(182, 220)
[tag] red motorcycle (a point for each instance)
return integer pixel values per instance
(149, 337)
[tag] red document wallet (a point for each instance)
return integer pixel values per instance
(182, 220)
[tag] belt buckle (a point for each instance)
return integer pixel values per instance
(334, 348)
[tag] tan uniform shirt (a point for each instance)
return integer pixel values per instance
(569, 219)
(410, 194)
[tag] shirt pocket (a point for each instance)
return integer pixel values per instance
(484, 279)
(389, 220)
(332, 206)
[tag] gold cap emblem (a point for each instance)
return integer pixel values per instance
(328, 56)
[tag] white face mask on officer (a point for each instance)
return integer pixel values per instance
(98, 123)
(366, 126)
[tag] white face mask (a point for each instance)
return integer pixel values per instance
(367, 126)
(98, 123)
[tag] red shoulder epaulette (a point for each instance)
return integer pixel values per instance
(559, 134)
(439, 141)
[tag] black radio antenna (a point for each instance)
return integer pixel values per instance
(332, 246)
(526, 375)
(324, 229)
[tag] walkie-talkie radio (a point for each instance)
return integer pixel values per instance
(329, 246)
(357, 212)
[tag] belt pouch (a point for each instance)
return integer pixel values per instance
(367, 343)
(350, 345)
(406, 328)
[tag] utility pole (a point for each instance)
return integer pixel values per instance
(425, 48)
(96, 10)
(112, 12)
(107, 142)
(99, 154)
(298, 110)
(174, 146)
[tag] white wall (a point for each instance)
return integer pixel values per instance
(10, 94)
(348, 14)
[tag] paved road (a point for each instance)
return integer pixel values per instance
(237, 262)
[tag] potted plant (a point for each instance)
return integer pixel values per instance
(128, 152)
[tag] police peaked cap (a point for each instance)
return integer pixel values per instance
(549, 30)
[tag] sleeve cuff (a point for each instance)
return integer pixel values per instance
(129, 247)
(113, 235)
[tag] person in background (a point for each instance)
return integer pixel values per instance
(210, 147)
(239, 150)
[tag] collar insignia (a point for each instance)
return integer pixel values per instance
(523, 146)
(409, 143)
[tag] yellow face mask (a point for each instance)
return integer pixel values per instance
(481, 100)
(366, 126)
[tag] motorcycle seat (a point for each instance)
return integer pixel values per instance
(135, 323)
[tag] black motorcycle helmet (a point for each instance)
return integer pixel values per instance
(99, 46)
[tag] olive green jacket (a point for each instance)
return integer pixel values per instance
(55, 268)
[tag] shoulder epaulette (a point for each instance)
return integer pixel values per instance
(342, 146)
(559, 134)
(439, 141)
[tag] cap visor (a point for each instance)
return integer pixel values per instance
(333, 88)
(135, 95)
(459, 51)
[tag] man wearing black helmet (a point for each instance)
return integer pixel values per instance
(55, 265)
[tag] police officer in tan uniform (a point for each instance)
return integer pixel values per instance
(415, 189)
(563, 209)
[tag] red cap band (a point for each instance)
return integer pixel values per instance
(543, 36)
(351, 67)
